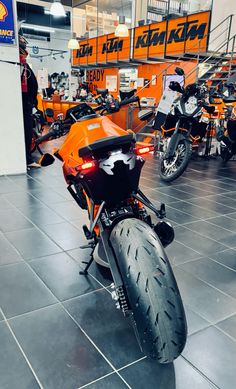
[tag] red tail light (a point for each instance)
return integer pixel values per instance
(144, 150)
(86, 166)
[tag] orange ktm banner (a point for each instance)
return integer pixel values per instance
(168, 38)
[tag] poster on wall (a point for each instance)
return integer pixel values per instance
(111, 83)
(43, 78)
(7, 27)
(168, 96)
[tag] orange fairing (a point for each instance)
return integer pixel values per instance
(84, 133)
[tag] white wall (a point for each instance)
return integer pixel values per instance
(222, 9)
(12, 146)
(59, 40)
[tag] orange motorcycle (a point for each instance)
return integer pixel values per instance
(102, 164)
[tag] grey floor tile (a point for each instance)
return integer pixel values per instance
(47, 197)
(204, 202)
(227, 258)
(7, 187)
(213, 273)
(113, 381)
(69, 210)
(232, 215)
(201, 244)
(61, 274)
(214, 354)
(178, 253)
(32, 243)
(149, 375)
(21, 290)
(14, 370)
(12, 220)
(25, 182)
(41, 215)
(195, 322)
(212, 231)
(66, 235)
(8, 253)
(4, 204)
(194, 210)
(225, 222)
(203, 299)
(112, 333)
(222, 199)
(228, 325)
(178, 216)
(22, 199)
(59, 352)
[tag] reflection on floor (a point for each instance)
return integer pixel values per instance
(61, 330)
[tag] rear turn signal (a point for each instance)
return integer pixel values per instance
(144, 150)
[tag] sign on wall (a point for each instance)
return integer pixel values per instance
(7, 28)
(172, 37)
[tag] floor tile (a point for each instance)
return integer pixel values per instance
(178, 253)
(203, 202)
(8, 253)
(194, 210)
(60, 353)
(4, 204)
(225, 222)
(227, 258)
(41, 215)
(22, 199)
(199, 243)
(12, 220)
(215, 232)
(112, 333)
(66, 235)
(113, 381)
(229, 326)
(222, 199)
(214, 354)
(14, 370)
(149, 375)
(178, 216)
(32, 243)
(21, 290)
(47, 197)
(25, 182)
(195, 322)
(214, 274)
(203, 299)
(101, 274)
(7, 186)
(61, 275)
(69, 210)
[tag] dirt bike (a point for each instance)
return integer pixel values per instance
(102, 164)
(184, 125)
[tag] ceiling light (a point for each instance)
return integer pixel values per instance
(73, 43)
(57, 9)
(122, 30)
(37, 28)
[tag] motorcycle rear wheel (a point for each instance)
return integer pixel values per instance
(173, 168)
(151, 290)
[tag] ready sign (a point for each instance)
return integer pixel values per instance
(172, 37)
(7, 28)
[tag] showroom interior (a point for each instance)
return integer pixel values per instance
(118, 194)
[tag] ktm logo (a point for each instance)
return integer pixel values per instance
(183, 32)
(3, 12)
(84, 51)
(112, 45)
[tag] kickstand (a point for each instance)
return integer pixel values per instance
(88, 264)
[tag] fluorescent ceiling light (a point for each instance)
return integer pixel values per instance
(57, 9)
(37, 28)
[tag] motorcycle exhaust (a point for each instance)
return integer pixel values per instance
(165, 233)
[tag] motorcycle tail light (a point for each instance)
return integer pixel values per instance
(86, 166)
(144, 150)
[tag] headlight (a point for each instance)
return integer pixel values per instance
(191, 105)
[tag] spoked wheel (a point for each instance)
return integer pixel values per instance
(172, 168)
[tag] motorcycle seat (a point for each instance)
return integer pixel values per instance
(102, 91)
(107, 144)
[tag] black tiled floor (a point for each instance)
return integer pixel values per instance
(68, 332)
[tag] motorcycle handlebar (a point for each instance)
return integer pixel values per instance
(133, 99)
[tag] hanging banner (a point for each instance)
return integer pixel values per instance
(187, 34)
(7, 27)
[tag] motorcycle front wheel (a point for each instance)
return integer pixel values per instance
(151, 290)
(172, 168)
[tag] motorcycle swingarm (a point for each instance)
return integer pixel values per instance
(175, 139)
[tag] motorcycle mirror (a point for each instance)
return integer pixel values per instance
(46, 160)
(179, 71)
(49, 112)
(175, 86)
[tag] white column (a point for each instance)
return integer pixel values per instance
(12, 145)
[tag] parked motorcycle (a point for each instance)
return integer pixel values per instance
(184, 125)
(102, 164)
(226, 131)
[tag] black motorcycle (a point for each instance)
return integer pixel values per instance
(184, 125)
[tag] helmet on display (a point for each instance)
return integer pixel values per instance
(22, 43)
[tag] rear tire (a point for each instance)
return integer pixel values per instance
(151, 289)
(169, 172)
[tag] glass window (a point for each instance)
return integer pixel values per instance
(99, 17)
